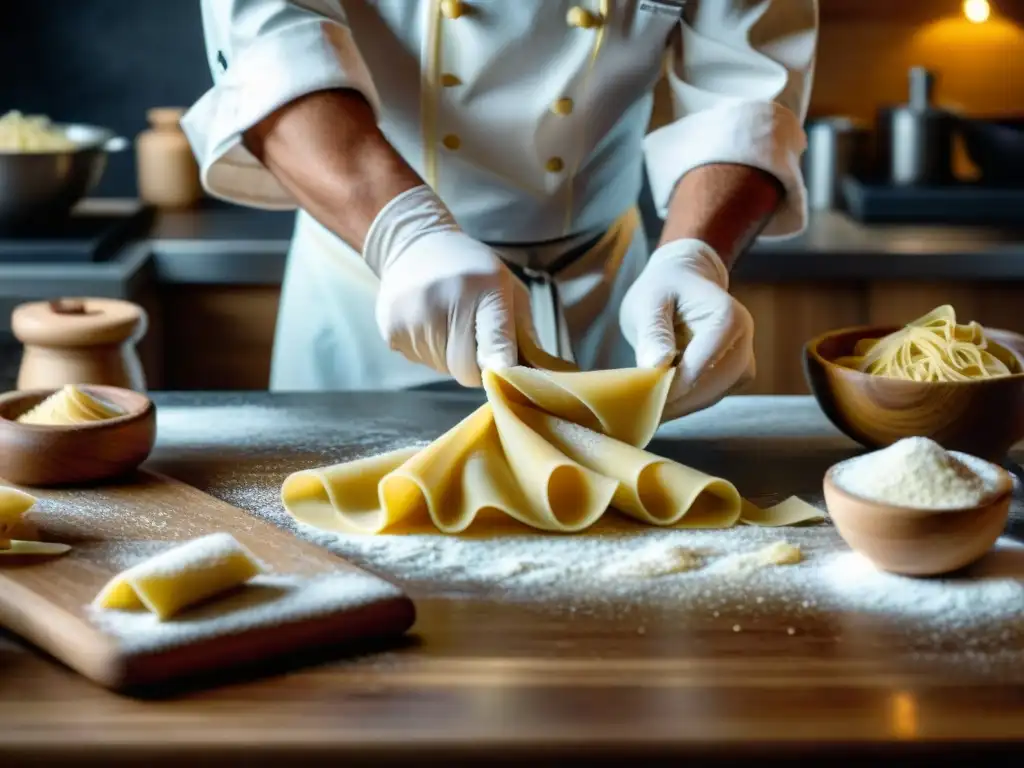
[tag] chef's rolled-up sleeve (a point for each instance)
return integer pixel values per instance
(740, 73)
(264, 54)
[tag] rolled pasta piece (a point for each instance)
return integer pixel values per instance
(181, 577)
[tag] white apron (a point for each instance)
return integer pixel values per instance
(327, 336)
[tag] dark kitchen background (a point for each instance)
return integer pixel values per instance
(210, 276)
(107, 61)
(103, 62)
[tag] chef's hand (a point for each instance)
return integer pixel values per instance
(445, 300)
(680, 303)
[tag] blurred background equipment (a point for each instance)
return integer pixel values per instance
(836, 147)
(45, 169)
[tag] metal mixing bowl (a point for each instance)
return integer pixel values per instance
(35, 186)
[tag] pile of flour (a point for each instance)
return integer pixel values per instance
(919, 473)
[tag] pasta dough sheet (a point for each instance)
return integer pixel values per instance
(553, 449)
(190, 573)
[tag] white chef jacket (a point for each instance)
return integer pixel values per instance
(527, 117)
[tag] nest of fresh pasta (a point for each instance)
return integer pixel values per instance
(933, 348)
(31, 133)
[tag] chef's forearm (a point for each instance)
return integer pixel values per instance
(326, 149)
(723, 204)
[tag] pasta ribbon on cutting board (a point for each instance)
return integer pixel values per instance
(187, 574)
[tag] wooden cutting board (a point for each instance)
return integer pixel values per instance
(310, 599)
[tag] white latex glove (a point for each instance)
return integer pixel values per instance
(445, 300)
(680, 303)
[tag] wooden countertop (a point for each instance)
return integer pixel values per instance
(481, 679)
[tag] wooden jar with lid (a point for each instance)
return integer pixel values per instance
(80, 341)
(168, 175)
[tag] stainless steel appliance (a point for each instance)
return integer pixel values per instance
(916, 139)
(836, 147)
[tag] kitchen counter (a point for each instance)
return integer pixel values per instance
(486, 679)
(223, 244)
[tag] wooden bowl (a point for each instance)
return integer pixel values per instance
(983, 418)
(918, 542)
(40, 455)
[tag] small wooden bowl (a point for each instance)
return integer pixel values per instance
(983, 418)
(40, 455)
(918, 542)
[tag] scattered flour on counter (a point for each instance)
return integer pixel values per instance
(82, 511)
(994, 589)
(267, 600)
(601, 573)
(122, 555)
(243, 429)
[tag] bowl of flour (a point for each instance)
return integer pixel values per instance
(916, 509)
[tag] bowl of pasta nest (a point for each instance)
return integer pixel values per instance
(960, 384)
(46, 168)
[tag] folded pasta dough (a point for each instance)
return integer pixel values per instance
(182, 576)
(650, 488)
(343, 497)
(625, 404)
(553, 449)
(569, 496)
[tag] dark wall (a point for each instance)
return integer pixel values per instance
(104, 62)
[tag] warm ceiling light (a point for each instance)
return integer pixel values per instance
(977, 11)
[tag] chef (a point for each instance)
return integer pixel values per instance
(466, 175)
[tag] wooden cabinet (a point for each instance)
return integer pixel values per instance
(217, 337)
(788, 315)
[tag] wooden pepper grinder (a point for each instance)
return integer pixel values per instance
(80, 341)
(168, 175)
